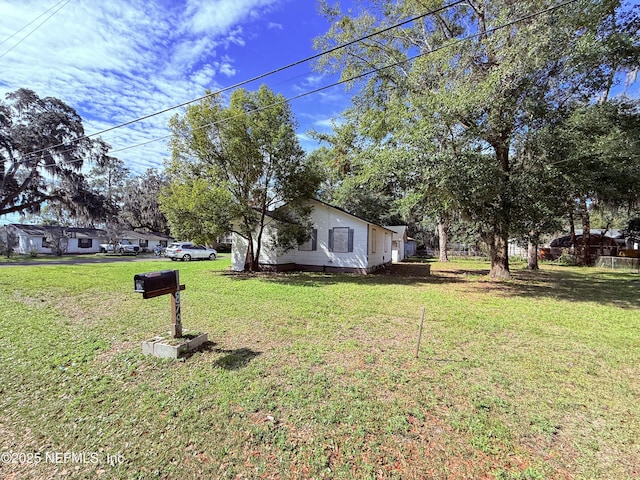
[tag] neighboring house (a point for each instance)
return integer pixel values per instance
(516, 250)
(609, 244)
(340, 242)
(612, 243)
(33, 239)
(399, 242)
(37, 238)
(226, 239)
(147, 241)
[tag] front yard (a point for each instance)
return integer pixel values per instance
(315, 376)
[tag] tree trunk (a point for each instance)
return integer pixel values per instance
(532, 255)
(572, 227)
(250, 263)
(443, 239)
(586, 232)
(499, 251)
(499, 244)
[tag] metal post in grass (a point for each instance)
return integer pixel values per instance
(420, 333)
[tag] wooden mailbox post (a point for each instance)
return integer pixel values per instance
(155, 284)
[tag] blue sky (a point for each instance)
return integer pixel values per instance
(117, 60)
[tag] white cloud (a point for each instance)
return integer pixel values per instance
(227, 70)
(218, 17)
(118, 60)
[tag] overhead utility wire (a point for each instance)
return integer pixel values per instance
(258, 77)
(42, 14)
(356, 77)
(366, 74)
(37, 26)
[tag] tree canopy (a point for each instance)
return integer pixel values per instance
(42, 150)
(459, 93)
(140, 205)
(234, 166)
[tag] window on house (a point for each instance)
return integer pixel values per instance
(144, 243)
(341, 239)
(311, 244)
(45, 243)
(164, 243)
(386, 242)
(374, 239)
(85, 242)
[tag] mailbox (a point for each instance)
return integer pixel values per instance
(154, 284)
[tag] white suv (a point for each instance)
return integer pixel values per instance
(186, 251)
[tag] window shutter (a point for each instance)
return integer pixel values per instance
(331, 240)
(314, 239)
(351, 240)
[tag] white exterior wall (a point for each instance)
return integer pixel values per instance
(268, 256)
(398, 251)
(30, 243)
(74, 248)
(379, 245)
(238, 252)
(324, 218)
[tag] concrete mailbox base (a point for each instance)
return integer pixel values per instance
(168, 347)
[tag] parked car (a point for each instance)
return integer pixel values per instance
(186, 251)
(123, 247)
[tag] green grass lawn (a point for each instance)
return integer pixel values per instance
(315, 376)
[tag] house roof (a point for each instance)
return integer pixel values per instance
(595, 239)
(612, 233)
(42, 230)
(273, 214)
(399, 232)
(350, 214)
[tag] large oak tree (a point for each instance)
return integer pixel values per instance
(42, 150)
(468, 83)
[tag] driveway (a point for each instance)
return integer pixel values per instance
(81, 260)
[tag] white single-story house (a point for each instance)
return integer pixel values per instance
(340, 242)
(399, 243)
(34, 238)
(147, 241)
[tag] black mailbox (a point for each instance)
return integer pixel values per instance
(154, 284)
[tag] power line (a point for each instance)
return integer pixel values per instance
(18, 31)
(489, 31)
(258, 77)
(366, 74)
(37, 26)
